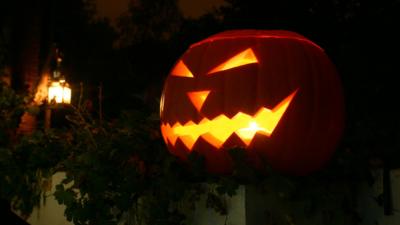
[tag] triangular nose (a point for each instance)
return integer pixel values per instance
(198, 98)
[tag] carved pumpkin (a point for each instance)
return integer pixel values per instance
(274, 93)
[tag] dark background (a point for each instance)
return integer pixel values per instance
(131, 58)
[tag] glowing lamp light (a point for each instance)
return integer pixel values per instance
(59, 92)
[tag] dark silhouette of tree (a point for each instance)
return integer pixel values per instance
(146, 50)
(146, 20)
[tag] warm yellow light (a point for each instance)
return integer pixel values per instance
(198, 98)
(66, 95)
(59, 93)
(219, 129)
(241, 59)
(247, 133)
(181, 70)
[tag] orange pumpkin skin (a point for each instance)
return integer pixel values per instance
(238, 73)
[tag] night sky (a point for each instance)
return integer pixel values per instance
(190, 8)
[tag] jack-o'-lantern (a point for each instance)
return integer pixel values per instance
(274, 93)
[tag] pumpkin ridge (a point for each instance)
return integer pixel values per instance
(246, 34)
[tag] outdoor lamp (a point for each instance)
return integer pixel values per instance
(59, 92)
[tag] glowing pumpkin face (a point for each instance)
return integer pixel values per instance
(274, 93)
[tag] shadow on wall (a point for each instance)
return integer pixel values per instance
(8, 216)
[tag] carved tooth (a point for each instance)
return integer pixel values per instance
(188, 141)
(219, 129)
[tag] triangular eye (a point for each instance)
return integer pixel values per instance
(243, 58)
(198, 98)
(181, 70)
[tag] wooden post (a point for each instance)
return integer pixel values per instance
(47, 117)
(101, 103)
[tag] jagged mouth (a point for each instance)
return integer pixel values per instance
(217, 130)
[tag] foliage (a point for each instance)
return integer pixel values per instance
(26, 163)
(118, 167)
(120, 172)
(12, 107)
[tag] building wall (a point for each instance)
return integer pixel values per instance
(50, 213)
(370, 206)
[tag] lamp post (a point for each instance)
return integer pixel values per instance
(58, 92)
